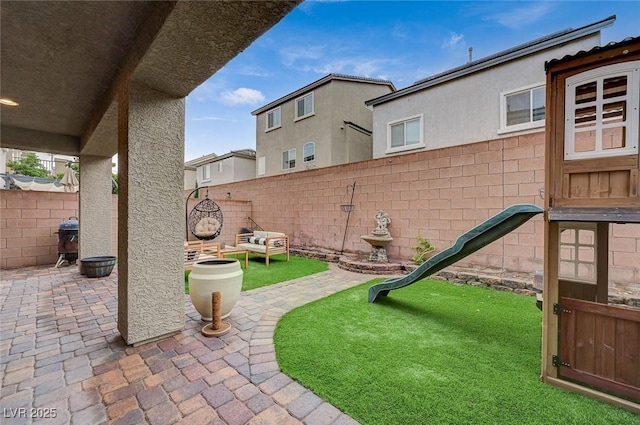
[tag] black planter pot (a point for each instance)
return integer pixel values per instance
(98, 266)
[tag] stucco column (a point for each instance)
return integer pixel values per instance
(150, 214)
(95, 206)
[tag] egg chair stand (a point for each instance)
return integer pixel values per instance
(204, 221)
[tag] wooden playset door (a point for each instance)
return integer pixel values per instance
(600, 346)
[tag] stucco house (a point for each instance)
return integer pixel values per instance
(321, 124)
(494, 97)
(231, 167)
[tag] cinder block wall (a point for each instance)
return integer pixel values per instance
(28, 222)
(439, 194)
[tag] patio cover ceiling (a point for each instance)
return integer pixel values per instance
(63, 61)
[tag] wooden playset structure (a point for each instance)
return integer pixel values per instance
(592, 179)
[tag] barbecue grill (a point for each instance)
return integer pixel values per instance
(68, 241)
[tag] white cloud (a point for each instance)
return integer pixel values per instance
(521, 16)
(399, 31)
(254, 72)
(292, 54)
(307, 6)
(361, 67)
(212, 118)
(367, 68)
(207, 91)
(453, 40)
(242, 96)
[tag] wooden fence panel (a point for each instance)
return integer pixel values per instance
(600, 346)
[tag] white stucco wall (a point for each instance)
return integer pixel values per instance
(467, 110)
(227, 170)
(243, 168)
(189, 179)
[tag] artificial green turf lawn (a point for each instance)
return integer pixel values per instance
(279, 270)
(430, 353)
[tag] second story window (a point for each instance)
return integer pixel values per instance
(309, 152)
(273, 119)
(304, 106)
(206, 172)
(405, 134)
(220, 166)
(522, 109)
(289, 159)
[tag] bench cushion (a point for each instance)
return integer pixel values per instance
(253, 247)
(265, 234)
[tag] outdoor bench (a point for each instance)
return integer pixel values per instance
(263, 242)
(200, 250)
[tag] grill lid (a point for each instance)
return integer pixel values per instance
(71, 224)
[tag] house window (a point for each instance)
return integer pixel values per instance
(601, 112)
(289, 159)
(405, 134)
(273, 119)
(304, 106)
(522, 109)
(578, 252)
(206, 172)
(261, 166)
(309, 152)
(220, 166)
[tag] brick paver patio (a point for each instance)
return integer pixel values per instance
(63, 361)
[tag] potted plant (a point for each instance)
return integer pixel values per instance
(424, 250)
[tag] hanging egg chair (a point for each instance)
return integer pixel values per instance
(205, 219)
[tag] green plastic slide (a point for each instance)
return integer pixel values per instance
(483, 234)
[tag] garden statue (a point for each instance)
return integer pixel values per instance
(379, 238)
(382, 220)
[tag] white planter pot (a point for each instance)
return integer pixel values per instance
(207, 276)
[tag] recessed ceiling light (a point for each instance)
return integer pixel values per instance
(7, 102)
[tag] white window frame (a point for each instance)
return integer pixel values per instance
(289, 153)
(406, 147)
(309, 113)
(504, 128)
(578, 227)
(632, 97)
(261, 165)
(273, 111)
(219, 166)
(206, 173)
(304, 157)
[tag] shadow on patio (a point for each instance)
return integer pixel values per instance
(63, 360)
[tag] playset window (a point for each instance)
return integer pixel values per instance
(578, 252)
(601, 112)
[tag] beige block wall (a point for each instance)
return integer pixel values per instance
(439, 194)
(28, 222)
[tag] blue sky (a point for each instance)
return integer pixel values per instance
(395, 40)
